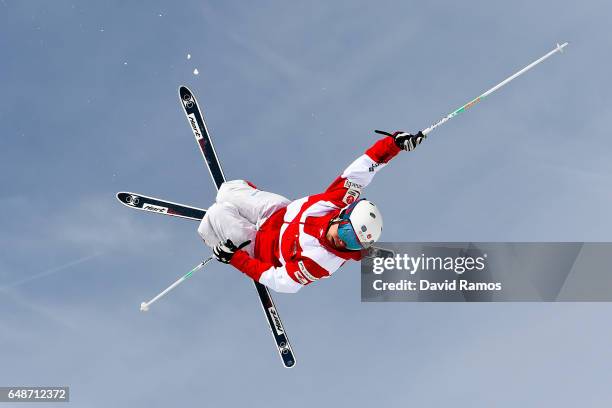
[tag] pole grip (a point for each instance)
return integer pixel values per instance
(382, 132)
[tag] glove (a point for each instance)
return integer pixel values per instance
(224, 251)
(406, 141)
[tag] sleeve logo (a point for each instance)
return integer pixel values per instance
(352, 185)
(305, 272)
(373, 167)
(350, 196)
(301, 278)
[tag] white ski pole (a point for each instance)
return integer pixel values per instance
(474, 101)
(558, 48)
(144, 306)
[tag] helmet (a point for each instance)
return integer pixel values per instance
(360, 224)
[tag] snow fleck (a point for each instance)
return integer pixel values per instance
(125, 63)
(101, 30)
(160, 14)
(188, 56)
(196, 72)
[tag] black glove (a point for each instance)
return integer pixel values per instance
(224, 251)
(406, 141)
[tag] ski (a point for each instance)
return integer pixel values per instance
(198, 127)
(158, 206)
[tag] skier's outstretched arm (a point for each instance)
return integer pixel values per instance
(288, 278)
(361, 171)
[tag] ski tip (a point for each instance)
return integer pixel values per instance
(382, 132)
(126, 198)
(186, 97)
(183, 90)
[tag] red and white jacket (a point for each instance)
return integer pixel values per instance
(291, 250)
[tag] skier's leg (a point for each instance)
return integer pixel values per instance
(253, 204)
(222, 222)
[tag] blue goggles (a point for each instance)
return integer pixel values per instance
(346, 232)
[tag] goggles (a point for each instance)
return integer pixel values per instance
(346, 232)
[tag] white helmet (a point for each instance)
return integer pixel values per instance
(360, 224)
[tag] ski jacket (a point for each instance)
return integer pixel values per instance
(291, 250)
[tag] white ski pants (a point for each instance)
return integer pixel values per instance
(238, 212)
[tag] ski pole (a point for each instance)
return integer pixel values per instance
(474, 101)
(144, 306)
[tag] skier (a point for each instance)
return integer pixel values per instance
(286, 244)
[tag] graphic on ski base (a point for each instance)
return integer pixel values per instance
(159, 206)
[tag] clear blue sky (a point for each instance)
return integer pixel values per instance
(291, 93)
